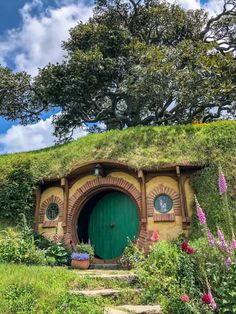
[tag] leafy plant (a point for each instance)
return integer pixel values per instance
(131, 255)
(85, 248)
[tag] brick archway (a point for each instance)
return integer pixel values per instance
(88, 190)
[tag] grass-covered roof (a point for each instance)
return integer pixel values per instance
(140, 147)
(211, 144)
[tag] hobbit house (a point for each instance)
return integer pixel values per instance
(105, 202)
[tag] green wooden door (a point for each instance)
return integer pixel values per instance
(113, 221)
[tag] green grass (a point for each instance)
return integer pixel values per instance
(41, 289)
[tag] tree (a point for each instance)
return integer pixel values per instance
(140, 63)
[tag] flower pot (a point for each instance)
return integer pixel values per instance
(80, 264)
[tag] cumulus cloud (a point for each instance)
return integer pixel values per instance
(35, 136)
(38, 40)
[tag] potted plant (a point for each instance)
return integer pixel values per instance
(83, 256)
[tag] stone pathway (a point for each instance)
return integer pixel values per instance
(115, 275)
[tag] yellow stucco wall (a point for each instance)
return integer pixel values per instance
(56, 191)
(80, 182)
(126, 177)
(167, 230)
(189, 196)
(49, 232)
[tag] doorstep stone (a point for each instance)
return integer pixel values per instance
(110, 310)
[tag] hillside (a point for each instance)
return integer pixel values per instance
(211, 145)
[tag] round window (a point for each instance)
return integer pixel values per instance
(52, 211)
(163, 203)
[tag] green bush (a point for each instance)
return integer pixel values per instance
(85, 248)
(158, 273)
(16, 193)
(131, 255)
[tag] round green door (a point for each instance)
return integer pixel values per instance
(113, 221)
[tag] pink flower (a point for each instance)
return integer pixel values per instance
(211, 238)
(222, 182)
(228, 262)
(221, 240)
(184, 246)
(155, 236)
(200, 213)
(233, 244)
(206, 298)
(213, 303)
(185, 298)
(190, 250)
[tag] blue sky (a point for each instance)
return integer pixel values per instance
(31, 33)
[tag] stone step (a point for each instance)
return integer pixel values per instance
(105, 266)
(95, 293)
(130, 277)
(138, 309)
(101, 292)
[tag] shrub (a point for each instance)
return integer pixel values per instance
(158, 273)
(131, 255)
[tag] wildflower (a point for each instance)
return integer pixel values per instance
(206, 298)
(233, 244)
(228, 262)
(65, 305)
(185, 298)
(221, 240)
(222, 182)
(200, 213)
(213, 303)
(189, 250)
(184, 246)
(155, 236)
(211, 238)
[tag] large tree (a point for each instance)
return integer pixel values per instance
(135, 63)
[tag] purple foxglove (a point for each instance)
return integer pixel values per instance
(213, 303)
(228, 262)
(221, 241)
(222, 182)
(233, 244)
(211, 238)
(200, 213)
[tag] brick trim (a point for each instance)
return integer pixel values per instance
(44, 205)
(80, 197)
(161, 189)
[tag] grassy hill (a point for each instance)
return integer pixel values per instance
(211, 145)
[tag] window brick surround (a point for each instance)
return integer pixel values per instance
(44, 206)
(161, 189)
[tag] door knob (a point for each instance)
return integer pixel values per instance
(112, 226)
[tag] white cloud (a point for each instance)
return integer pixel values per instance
(38, 40)
(35, 136)
(187, 4)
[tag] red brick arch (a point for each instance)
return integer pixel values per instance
(89, 189)
(161, 189)
(44, 205)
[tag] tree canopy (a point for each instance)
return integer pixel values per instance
(134, 63)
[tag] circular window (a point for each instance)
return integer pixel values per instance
(52, 211)
(163, 203)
